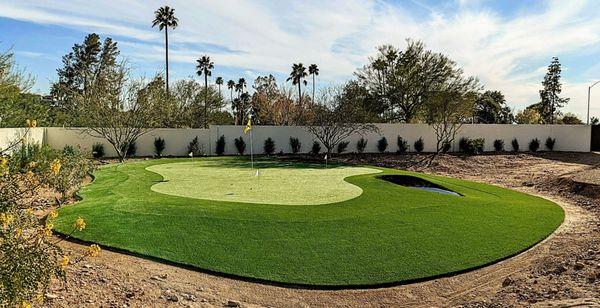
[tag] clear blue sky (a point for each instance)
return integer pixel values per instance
(506, 44)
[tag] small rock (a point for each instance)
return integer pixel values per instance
(578, 266)
(232, 303)
(528, 184)
(51, 296)
(560, 269)
(172, 297)
(507, 282)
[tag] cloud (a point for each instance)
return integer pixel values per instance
(508, 53)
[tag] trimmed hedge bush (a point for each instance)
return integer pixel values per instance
(446, 146)
(316, 148)
(342, 146)
(361, 145)
(534, 145)
(471, 146)
(194, 147)
(550, 142)
(515, 145)
(419, 145)
(295, 144)
(130, 149)
(240, 145)
(382, 145)
(159, 146)
(220, 148)
(269, 146)
(402, 145)
(499, 145)
(97, 150)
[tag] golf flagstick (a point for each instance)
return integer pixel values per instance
(325, 161)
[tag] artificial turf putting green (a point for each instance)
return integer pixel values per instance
(388, 234)
(276, 183)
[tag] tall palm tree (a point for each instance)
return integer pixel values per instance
(314, 71)
(219, 82)
(165, 18)
(241, 85)
(205, 67)
(231, 86)
(297, 76)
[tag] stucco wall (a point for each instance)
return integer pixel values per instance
(176, 140)
(574, 138)
(9, 135)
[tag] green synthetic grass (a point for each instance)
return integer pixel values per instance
(272, 183)
(388, 234)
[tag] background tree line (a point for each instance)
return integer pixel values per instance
(394, 86)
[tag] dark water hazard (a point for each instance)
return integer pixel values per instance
(418, 183)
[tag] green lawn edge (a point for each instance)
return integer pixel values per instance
(355, 271)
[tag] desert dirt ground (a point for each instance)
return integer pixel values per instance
(563, 270)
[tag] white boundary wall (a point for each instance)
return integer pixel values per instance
(575, 138)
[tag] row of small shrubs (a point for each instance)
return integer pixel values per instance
(382, 145)
(475, 146)
(469, 146)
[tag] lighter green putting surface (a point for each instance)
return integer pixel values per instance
(386, 234)
(275, 183)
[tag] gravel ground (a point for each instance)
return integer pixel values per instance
(563, 270)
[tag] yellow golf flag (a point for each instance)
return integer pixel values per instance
(248, 126)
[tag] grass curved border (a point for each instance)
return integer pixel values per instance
(328, 286)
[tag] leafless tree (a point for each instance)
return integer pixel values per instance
(335, 119)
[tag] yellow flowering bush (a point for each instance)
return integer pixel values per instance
(55, 166)
(30, 257)
(79, 224)
(94, 250)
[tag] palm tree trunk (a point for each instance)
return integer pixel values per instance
(299, 92)
(313, 96)
(205, 100)
(167, 58)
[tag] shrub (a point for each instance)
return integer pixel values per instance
(446, 146)
(68, 150)
(316, 148)
(479, 144)
(129, 149)
(97, 150)
(159, 146)
(499, 145)
(31, 258)
(550, 142)
(471, 146)
(402, 145)
(382, 145)
(534, 145)
(419, 145)
(342, 146)
(220, 149)
(295, 144)
(515, 145)
(463, 144)
(195, 148)
(240, 145)
(361, 145)
(269, 146)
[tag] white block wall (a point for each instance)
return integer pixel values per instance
(176, 140)
(575, 138)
